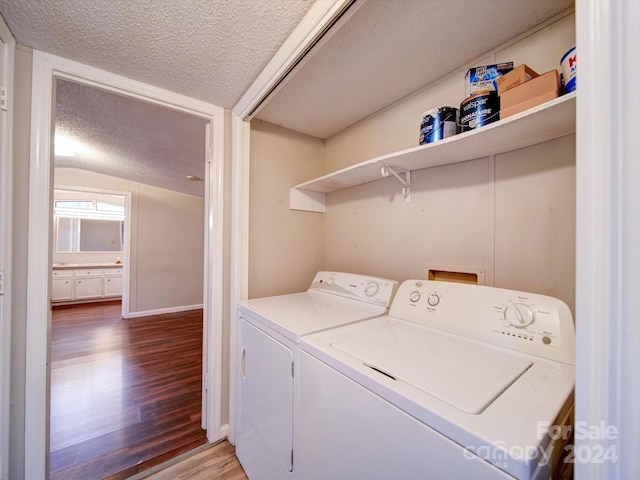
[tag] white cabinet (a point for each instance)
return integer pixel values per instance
(87, 283)
(71, 284)
(112, 282)
(87, 287)
(62, 285)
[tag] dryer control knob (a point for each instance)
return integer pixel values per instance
(433, 299)
(371, 289)
(519, 315)
(414, 296)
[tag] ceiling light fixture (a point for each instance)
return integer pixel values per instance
(64, 146)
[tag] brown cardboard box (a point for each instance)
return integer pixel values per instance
(541, 89)
(515, 77)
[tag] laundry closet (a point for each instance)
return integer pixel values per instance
(507, 217)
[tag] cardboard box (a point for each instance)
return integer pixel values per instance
(541, 89)
(483, 79)
(515, 77)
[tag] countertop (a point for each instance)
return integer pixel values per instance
(73, 266)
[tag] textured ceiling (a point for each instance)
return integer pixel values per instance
(391, 48)
(128, 138)
(213, 50)
(207, 49)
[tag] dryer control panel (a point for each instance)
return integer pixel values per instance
(374, 290)
(526, 322)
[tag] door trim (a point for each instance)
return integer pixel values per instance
(608, 228)
(46, 68)
(8, 44)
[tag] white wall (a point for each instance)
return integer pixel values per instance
(396, 127)
(535, 219)
(285, 246)
(512, 214)
(167, 241)
(370, 229)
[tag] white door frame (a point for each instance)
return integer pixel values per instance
(607, 243)
(7, 44)
(45, 69)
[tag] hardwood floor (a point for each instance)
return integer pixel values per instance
(125, 394)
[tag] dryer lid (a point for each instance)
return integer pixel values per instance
(460, 372)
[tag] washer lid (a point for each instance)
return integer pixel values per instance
(299, 314)
(455, 370)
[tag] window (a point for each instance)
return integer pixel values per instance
(89, 235)
(88, 224)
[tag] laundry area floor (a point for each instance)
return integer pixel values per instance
(216, 463)
(125, 394)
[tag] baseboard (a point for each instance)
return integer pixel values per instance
(64, 303)
(161, 311)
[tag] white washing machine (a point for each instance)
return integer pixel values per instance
(458, 381)
(269, 331)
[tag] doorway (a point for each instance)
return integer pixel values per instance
(112, 152)
(46, 69)
(108, 142)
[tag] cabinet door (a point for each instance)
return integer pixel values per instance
(264, 435)
(62, 289)
(89, 272)
(88, 287)
(112, 286)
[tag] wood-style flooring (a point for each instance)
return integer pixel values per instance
(216, 463)
(125, 394)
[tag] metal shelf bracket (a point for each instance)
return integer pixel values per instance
(395, 171)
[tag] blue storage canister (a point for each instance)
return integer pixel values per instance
(569, 65)
(438, 123)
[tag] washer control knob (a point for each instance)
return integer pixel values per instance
(414, 296)
(330, 281)
(433, 299)
(519, 315)
(371, 288)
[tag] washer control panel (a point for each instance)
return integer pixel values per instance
(375, 290)
(527, 322)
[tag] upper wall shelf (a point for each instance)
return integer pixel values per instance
(553, 119)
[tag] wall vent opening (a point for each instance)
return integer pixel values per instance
(449, 273)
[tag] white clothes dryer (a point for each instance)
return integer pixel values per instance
(458, 381)
(269, 331)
